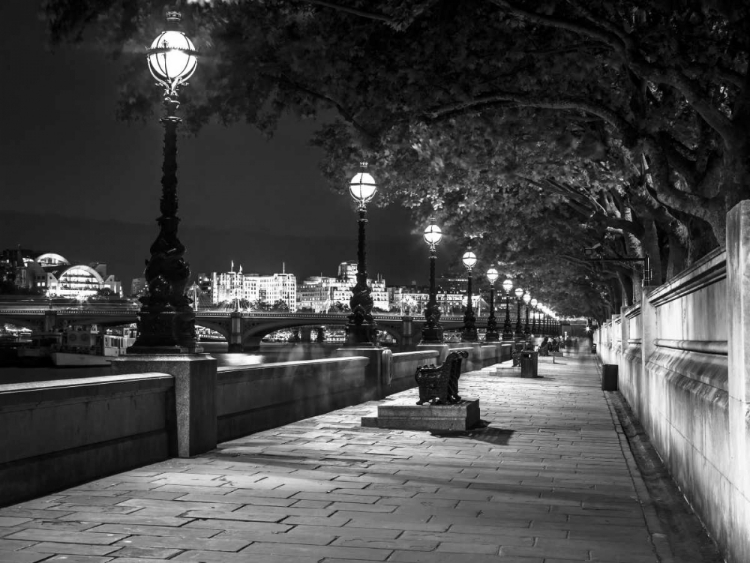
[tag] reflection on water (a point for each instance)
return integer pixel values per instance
(269, 353)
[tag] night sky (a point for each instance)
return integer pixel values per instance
(78, 182)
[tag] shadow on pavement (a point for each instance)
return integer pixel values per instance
(481, 432)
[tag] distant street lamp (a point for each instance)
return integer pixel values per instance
(432, 332)
(507, 328)
(533, 316)
(166, 322)
(519, 300)
(360, 329)
(470, 330)
(491, 334)
(527, 300)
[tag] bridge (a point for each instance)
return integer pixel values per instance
(242, 330)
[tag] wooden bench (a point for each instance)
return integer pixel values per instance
(438, 385)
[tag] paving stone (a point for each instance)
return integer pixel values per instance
(7, 521)
(206, 544)
(21, 556)
(358, 553)
(71, 548)
(66, 537)
(79, 559)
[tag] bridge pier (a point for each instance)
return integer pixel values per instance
(235, 332)
(252, 344)
(407, 334)
(306, 334)
(50, 321)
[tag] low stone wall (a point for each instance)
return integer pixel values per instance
(405, 366)
(254, 398)
(57, 434)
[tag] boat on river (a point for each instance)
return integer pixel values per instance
(89, 348)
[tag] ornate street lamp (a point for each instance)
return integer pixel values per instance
(432, 332)
(166, 322)
(492, 335)
(470, 330)
(533, 304)
(507, 329)
(527, 300)
(519, 300)
(360, 329)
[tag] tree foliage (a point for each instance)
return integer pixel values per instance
(534, 129)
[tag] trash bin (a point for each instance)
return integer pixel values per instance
(529, 363)
(609, 377)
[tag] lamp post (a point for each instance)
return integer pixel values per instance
(470, 330)
(533, 304)
(519, 300)
(360, 328)
(527, 300)
(166, 322)
(507, 329)
(432, 332)
(491, 335)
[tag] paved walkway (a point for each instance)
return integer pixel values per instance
(550, 480)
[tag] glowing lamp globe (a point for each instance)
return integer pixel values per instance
(171, 58)
(469, 260)
(492, 275)
(526, 297)
(507, 286)
(362, 187)
(534, 302)
(433, 235)
(519, 293)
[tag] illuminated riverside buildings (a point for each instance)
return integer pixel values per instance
(54, 276)
(234, 286)
(320, 293)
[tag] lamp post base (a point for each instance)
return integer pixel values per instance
(432, 335)
(165, 332)
(361, 335)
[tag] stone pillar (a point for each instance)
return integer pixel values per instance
(738, 317)
(235, 332)
(649, 329)
(194, 392)
(305, 333)
(378, 373)
(407, 333)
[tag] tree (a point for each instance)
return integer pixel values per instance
(528, 126)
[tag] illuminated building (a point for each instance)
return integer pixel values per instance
(54, 276)
(235, 286)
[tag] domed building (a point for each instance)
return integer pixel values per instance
(55, 276)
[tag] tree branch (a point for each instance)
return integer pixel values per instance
(529, 100)
(589, 31)
(353, 11)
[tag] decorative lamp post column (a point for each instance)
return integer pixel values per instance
(360, 329)
(470, 330)
(166, 321)
(432, 332)
(519, 300)
(507, 328)
(492, 335)
(527, 300)
(534, 328)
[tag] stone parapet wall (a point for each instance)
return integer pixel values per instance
(673, 351)
(254, 398)
(405, 366)
(57, 434)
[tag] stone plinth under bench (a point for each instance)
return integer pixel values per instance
(451, 417)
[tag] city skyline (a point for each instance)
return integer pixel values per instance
(96, 169)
